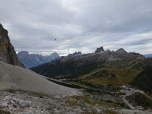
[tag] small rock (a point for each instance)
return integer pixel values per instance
(45, 97)
(81, 102)
(17, 100)
(57, 96)
(42, 112)
(14, 104)
(21, 102)
(28, 103)
(14, 99)
(22, 105)
(4, 104)
(11, 108)
(7, 98)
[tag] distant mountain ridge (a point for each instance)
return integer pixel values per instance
(148, 55)
(32, 60)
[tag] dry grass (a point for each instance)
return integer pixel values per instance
(113, 77)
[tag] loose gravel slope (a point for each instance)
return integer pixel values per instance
(15, 77)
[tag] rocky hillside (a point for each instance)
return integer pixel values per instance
(7, 52)
(32, 60)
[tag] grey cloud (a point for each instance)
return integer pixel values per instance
(78, 25)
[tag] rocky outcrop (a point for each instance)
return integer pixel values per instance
(99, 50)
(32, 60)
(7, 52)
(74, 54)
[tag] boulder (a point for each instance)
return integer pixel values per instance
(7, 98)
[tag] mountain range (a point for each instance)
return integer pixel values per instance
(32, 60)
(116, 68)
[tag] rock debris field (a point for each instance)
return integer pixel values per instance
(27, 103)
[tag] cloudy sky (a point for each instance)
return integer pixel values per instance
(78, 25)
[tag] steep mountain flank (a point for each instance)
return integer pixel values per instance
(32, 60)
(144, 79)
(7, 52)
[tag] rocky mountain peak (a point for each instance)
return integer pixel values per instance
(7, 52)
(99, 50)
(107, 50)
(121, 51)
(23, 53)
(54, 54)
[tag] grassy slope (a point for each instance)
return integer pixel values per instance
(113, 73)
(111, 76)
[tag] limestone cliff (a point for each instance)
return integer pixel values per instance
(7, 52)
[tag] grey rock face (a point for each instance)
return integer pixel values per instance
(32, 60)
(7, 52)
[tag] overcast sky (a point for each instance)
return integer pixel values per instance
(78, 25)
